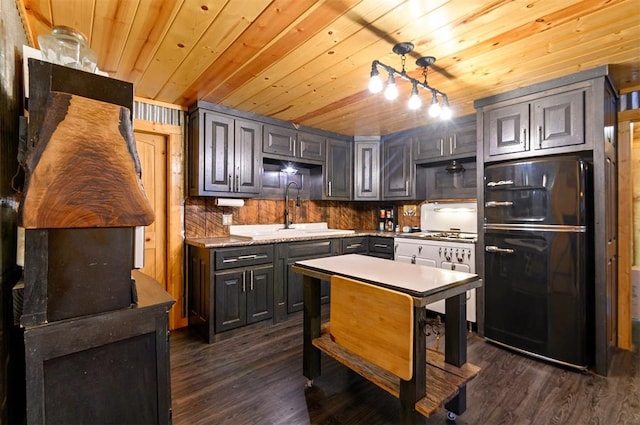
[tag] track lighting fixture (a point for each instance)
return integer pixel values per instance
(439, 101)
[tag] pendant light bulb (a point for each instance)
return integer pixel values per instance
(446, 113)
(434, 109)
(375, 83)
(391, 92)
(414, 101)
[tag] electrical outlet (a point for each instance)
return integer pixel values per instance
(227, 219)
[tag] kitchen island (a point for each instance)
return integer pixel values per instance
(424, 285)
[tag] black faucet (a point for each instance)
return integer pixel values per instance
(287, 223)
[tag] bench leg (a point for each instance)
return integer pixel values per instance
(413, 390)
(455, 349)
(311, 327)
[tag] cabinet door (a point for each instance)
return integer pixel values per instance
(463, 138)
(430, 142)
(311, 146)
(248, 158)
(337, 176)
(217, 156)
(558, 120)
(398, 167)
(279, 140)
(259, 293)
(366, 171)
(230, 300)
(507, 129)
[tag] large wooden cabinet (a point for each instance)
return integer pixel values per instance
(224, 155)
(574, 115)
(538, 125)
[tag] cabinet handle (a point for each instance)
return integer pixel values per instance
(230, 183)
(406, 187)
(420, 249)
(329, 188)
(395, 248)
(441, 146)
(238, 180)
(251, 281)
(451, 144)
(524, 137)
(539, 137)
(492, 248)
(354, 245)
(413, 259)
(379, 245)
(244, 282)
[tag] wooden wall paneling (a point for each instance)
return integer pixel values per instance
(174, 222)
(625, 220)
(627, 145)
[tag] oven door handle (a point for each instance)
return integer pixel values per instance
(495, 249)
(494, 204)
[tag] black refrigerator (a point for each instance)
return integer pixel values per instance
(538, 253)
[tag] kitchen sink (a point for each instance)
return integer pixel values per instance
(277, 231)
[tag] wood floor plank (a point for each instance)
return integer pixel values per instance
(256, 378)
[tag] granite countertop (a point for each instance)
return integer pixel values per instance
(228, 241)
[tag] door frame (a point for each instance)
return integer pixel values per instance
(173, 135)
(625, 224)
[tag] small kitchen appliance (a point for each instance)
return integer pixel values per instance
(447, 240)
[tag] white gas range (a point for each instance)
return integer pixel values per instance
(447, 240)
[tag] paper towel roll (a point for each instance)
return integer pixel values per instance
(227, 202)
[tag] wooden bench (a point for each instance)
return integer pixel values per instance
(371, 332)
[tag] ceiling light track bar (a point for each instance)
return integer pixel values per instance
(391, 91)
(403, 74)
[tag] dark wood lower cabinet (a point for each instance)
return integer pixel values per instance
(110, 367)
(229, 288)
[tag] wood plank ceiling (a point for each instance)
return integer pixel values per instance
(308, 62)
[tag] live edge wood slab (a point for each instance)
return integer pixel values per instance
(82, 168)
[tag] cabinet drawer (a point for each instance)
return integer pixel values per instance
(309, 249)
(380, 245)
(354, 245)
(228, 258)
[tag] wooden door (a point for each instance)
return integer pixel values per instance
(152, 152)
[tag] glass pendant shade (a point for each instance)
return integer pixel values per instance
(445, 113)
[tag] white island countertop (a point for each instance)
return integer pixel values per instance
(427, 283)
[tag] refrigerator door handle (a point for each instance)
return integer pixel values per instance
(493, 204)
(495, 249)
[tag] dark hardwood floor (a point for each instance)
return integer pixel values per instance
(256, 378)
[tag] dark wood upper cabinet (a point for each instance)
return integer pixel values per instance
(552, 123)
(398, 168)
(224, 155)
